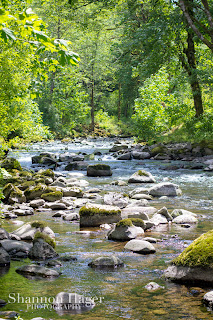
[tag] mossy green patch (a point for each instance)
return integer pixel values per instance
(52, 196)
(84, 211)
(38, 224)
(10, 164)
(124, 223)
(46, 238)
(138, 222)
(142, 173)
(8, 188)
(47, 173)
(198, 253)
(27, 184)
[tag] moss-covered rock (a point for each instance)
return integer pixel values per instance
(124, 223)
(32, 193)
(93, 215)
(16, 196)
(198, 253)
(38, 224)
(195, 263)
(141, 176)
(11, 163)
(8, 188)
(52, 196)
(46, 238)
(159, 149)
(27, 184)
(138, 222)
(47, 173)
(97, 170)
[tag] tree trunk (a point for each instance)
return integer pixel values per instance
(92, 103)
(192, 72)
(119, 102)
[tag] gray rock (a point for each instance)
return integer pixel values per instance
(178, 212)
(34, 270)
(99, 170)
(140, 196)
(56, 205)
(141, 176)
(16, 248)
(148, 224)
(4, 257)
(185, 219)
(116, 199)
(37, 203)
(125, 156)
(165, 189)
(106, 262)
(164, 212)
(140, 246)
(71, 216)
(138, 191)
(4, 234)
(183, 274)
(208, 299)
(22, 213)
(59, 214)
(141, 155)
(138, 212)
(27, 232)
(8, 314)
(118, 147)
(125, 233)
(152, 286)
(42, 251)
(59, 184)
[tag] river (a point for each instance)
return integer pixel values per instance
(119, 294)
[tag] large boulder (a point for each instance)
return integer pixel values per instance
(124, 230)
(106, 262)
(28, 230)
(11, 163)
(140, 246)
(52, 196)
(99, 170)
(141, 176)
(37, 271)
(93, 215)
(72, 192)
(140, 155)
(118, 147)
(116, 199)
(32, 193)
(16, 249)
(13, 194)
(125, 156)
(4, 257)
(165, 189)
(195, 263)
(41, 250)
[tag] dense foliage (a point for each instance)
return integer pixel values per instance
(145, 69)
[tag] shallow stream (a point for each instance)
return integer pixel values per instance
(118, 294)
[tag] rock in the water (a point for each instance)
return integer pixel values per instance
(37, 271)
(141, 155)
(106, 262)
(164, 212)
(99, 170)
(178, 212)
(37, 203)
(195, 263)
(71, 216)
(140, 246)
(52, 196)
(41, 250)
(141, 176)
(116, 199)
(72, 192)
(138, 212)
(125, 156)
(165, 189)
(124, 231)
(152, 286)
(28, 230)
(4, 257)
(208, 299)
(56, 205)
(18, 249)
(185, 219)
(149, 239)
(93, 215)
(4, 234)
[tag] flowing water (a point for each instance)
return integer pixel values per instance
(118, 294)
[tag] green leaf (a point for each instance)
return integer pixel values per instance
(7, 34)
